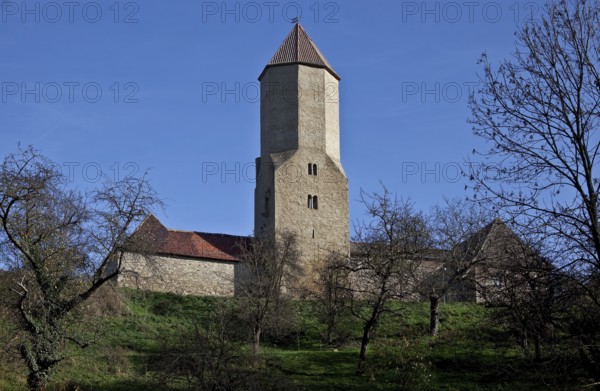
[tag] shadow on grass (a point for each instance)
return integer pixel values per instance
(116, 385)
(320, 370)
(313, 363)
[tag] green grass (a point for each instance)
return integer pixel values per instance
(471, 352)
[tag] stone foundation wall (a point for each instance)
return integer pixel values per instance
(180, 275)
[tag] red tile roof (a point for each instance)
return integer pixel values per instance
(298, 48)
(191, 244)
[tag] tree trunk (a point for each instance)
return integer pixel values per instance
(362, 357)
(332, 319)
(587, 354)
(524, 341)
(538, 349)
(256, 344)
(40, 361)
(37, 381)
(434, 314)
(329, 335)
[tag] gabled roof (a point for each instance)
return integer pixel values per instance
(298, 48)
(200, 245)
(486, 242)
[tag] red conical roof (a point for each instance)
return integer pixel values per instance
(298, 48)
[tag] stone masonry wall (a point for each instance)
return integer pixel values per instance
(180, 275)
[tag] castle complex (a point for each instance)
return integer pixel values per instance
(301, 186)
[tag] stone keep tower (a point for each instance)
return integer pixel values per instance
(300, 184)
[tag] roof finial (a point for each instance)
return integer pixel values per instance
(296, 19)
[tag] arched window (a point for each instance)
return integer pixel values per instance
(310, 171)
(314, 169)
(312, 202)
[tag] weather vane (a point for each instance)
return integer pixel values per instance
(296, 19)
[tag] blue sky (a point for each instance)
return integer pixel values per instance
(121, 87)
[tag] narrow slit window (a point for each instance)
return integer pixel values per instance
(310, 171)
(309, 202)
(315, 202)
(314, 169)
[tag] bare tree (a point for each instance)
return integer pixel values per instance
(540, 115)
(206, 357)
(66, 245)
(526, 296)
(268, 267)
(384, 267)
(451, 267)
(332, 292)
(210, 356)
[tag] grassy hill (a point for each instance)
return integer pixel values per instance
(472, 352)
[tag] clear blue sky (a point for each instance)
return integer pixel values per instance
(124, 86)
